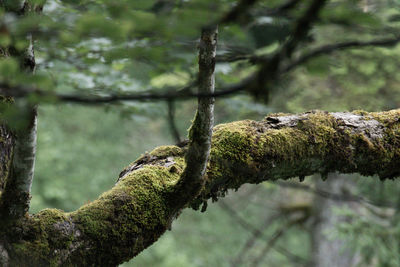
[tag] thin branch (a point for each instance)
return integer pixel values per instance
(237, 11)
(302, 28)
(171, 122)
(175, 94)
(240, 11)
(242, 222)
(256, 233)
(327, 49)
(337, 197)
(186, 92)
(269, 69)
(290, 4)
(275, 237)
(300, 261)
(200, 132)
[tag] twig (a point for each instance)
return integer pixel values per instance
(327, 49)
(257, 233)
(237, 11)
(275, 237)
(336, 197)
(171, 122)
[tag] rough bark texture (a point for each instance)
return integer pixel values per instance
(196, 157)
(192, 179)
(16, 187)
(16, 193)
(6, 149)
(136, 212)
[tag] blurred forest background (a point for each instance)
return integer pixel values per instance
(81, 149)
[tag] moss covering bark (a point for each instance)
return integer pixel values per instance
(136, 212)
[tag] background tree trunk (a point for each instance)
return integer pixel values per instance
(327, 249)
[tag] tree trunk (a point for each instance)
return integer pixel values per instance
(326, 250)
(15, 187)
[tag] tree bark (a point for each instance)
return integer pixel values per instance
(192, 179)
(15, 187)
(15, 198)
(6, 151)
(131, 216)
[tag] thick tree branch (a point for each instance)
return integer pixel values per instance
(138, 210)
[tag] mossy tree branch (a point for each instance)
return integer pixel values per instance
(136, 212)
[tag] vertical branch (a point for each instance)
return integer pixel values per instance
(15, 197)
(171, 120)
(6, 150)
(200, 132)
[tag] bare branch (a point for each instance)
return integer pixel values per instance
(171, 122)
(337, 197)
(327, 49)
(257, 234)
(275, 237)
(186, 92)
(175, 94)
(302, 28)
(290, 4)
(269, 68)
(237, 11)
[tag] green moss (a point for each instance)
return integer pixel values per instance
(50, 216)
(167, 151)
(139, 205)
(360, 112)
(41, 238)
(387, 117)
(385, 152)
(251, 152)
(132, 215)
(279, 114)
